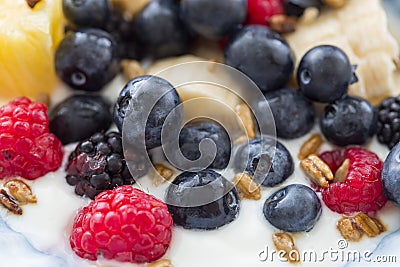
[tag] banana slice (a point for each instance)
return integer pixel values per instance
(360, 29)
(201, 96)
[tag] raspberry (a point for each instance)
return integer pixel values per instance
(124, 224)
(260, 11)
(362, 189)
(98, 164)
(27, 149)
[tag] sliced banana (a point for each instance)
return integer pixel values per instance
(360, 29)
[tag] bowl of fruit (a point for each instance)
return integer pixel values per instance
(199, 133)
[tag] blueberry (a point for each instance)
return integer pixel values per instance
(207, 186)
(87, 59)
(294, 115)
(152, 99)
(195, 132)
(294, 208)
(296, 7)
(79, 116)
(391, 175)
(348, 121)
(324, 73)
(86, 13)
(262, 55)
(159, 30)
(213, 19)
(255, 150)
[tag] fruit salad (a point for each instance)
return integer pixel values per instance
(199, 133)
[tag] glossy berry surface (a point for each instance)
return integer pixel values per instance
(98, 164)
(260, 11)
(80, 116)
(213, 19)
(348, 121)
(294, 115)
(388, 125)
(391, 175)
(151, 99)
(262, 55)
(296, 7)
(324, 73)
(212, 215)
(27, 149)
(124, 224)
(86, 13)
(294, 208)
(255, 151)
(87, 59)
(195, 132)
(159, 30)
(361, 191)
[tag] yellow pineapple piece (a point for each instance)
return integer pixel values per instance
(28, 37)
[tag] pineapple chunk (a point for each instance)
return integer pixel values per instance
(28, 37)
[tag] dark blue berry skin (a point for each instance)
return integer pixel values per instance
(212, 215)
(282, 163)
(87, 59)
(294, 115)
(294, 208)
(159, 30)
(262, 55)
(324, 74)
(348, 121)
(80, 116)
(213, 19)
(296, 7)
(391, 175)
(86, 13)
(154, 94)
(195, 131)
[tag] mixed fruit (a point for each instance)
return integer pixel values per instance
(128, 225)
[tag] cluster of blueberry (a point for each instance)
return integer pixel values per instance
(88, 58)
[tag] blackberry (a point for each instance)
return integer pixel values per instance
(388, 126)
(98, 164)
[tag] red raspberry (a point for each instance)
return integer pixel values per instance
(260, 11)
(124, 224)
(27, 149)
(362, 189)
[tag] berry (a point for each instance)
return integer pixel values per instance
(390, 175)
(124, 224)
(361, 191)
(87, 59)
(348, 121)
(294, 208)
(260, 11)
(98, 164)
(190, 137)
(86, 13)
(220, 198)
(296, 7)
(388, 125)
(266, 149)
(213, 19)
(27, 149)
(325, 73)
(79, 116)
(152, 99)
(159, 30)
(262, 55)
(294, 115)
